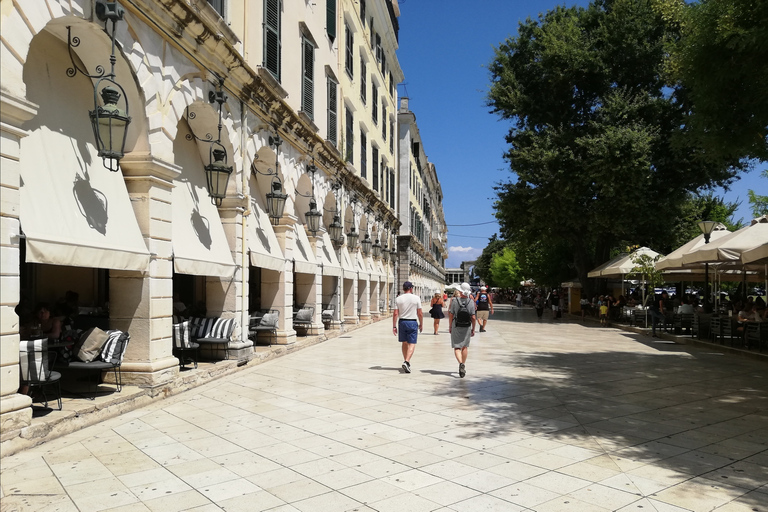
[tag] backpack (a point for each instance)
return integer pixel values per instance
(463, 317)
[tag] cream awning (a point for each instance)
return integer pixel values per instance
(303, 257)
(346, 264)
(374, 269)
(328, 258)
(363, 272)
(262, 242)
(76, 217)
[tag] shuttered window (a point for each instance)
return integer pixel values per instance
(392, 137)
(330, 19)
(332, 111)
(363, 80)
(272, 45)
(375, 167)
(392, 187)
(350, 142)
(383, 120)
(307, 78)
(363, 155)
(375, 103)
(362, 11)
(218, 6)
(349, 51)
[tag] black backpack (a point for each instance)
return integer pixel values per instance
(463, 317)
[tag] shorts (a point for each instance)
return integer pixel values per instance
(482, 315)
(555, 308)
(408, 331)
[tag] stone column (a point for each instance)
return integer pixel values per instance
(142, 303)
(317, 293)
(283, 301)
(232, 293)
(15, 409)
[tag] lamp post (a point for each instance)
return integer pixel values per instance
(706, 227)
(366, 244)
(108, 120)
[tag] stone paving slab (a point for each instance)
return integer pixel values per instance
(552, 416)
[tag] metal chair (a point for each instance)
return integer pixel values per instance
(267, 324)
(36, 374)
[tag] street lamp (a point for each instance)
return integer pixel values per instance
(376, 249)
(276, 198)
(108, 121)
(366, 245)
(706, 227)
(352, 237)
(335, 230)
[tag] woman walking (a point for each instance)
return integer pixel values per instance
(436, 310)
(461, 325)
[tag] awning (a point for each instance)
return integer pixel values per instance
(76, 217)
(674, 260)
(373, 268)
(303, 257)
(262, 242)
(346, 264)
(328, 259)
(200, 246)
(363, 272)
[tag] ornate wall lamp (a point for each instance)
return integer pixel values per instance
(352, 235)
(108, 121)
(217, 171)
(376, 248)
(276, 198)
(336, 228)
(367, 242)
(313, 216)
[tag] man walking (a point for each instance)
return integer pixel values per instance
(461, 325)
(406, 319)
(484, 307)
(657, 312)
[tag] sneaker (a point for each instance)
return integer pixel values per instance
(406, 367)
(482, 330)
(462, 370)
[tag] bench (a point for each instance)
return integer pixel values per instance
(263, 322)
(212, 331)
(302, 319)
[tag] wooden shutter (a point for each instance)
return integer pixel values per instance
(350, 142)
(363, 80)
(350, 51)
(375, 103)
(307, 83)
(332, 112)
(363, 155)
(375, 167)
(272, 37)
(330, 18)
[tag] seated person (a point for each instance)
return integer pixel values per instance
(49, 324)
(686, 307)
(749, 314)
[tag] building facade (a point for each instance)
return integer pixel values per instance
(422, 237)
(246, 122)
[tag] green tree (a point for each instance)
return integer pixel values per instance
(483, 262)
(722, 59)
(505, 270)
(593, 120)
(758, 202)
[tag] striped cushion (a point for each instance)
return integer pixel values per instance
(114, 349)
(181, 334)
(220, 328)
(33, 360)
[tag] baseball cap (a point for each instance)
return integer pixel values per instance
(483, 288)
(407, 285)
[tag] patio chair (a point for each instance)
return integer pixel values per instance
(303, 318)
(714, 328)
(109, 359)
(183, 346)
(36, 362)
(267, 324)
(327, 315)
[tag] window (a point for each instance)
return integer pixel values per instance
(362, 11)
(363, 80)
(307, 78)
(332, 110)
(375, 167)
(363, 156)
(350, 142)
(350, 51)
(383, 63)
(375, 103)
(384, 120)
(218, 6)
(378, 51)
(330, 19)
(373, 35)
(272, 13)
(392, 137)
(391, 86)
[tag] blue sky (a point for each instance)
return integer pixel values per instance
(444, 51)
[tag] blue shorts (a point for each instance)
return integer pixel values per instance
(408, 330)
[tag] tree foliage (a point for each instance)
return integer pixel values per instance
(505, 270)
(483, 262)
(593, 123)
(721, 57)
(759, 202)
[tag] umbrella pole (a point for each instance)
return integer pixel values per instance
(707, 309)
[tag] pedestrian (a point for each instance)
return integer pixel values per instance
(604, 313)
(436, 310)
(554, 299)
(584, 303)
(538, 303)
(408, 309)
(657, 312)
(461, 326)
(518, 302)
(484, 307)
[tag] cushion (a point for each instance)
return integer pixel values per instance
(90, 344)
(181, 334)
(34, 366)
(304, 315)
(114, 348)
(268, 320)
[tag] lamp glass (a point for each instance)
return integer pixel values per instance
(335, 230)
(352, 238)
(366, 244)
(707, 226)
(376, 249)
(276, 202)
(313, 217)
(110, 125)
(217, 174)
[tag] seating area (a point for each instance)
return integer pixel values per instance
(327, 315)
(96, 359)
(302, 319)
(36, 373)
(183, 347)
(213, 332)
(263, 323)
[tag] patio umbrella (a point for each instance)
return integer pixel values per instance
(624, 265)
(674, 260)
(597, 271)
(728, 249)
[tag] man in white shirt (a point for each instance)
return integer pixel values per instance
(406, 319)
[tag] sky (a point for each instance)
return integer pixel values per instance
(445, 48)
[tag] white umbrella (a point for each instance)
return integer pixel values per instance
(624, 265)
(728, 249)
(597, 271)
(674, 260)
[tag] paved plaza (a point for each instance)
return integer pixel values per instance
(550, 417)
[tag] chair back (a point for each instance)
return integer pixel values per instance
(181, 334)
(114, 349)
(33, 359)
(212, 327)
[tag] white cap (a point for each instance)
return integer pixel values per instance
(465, 289)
